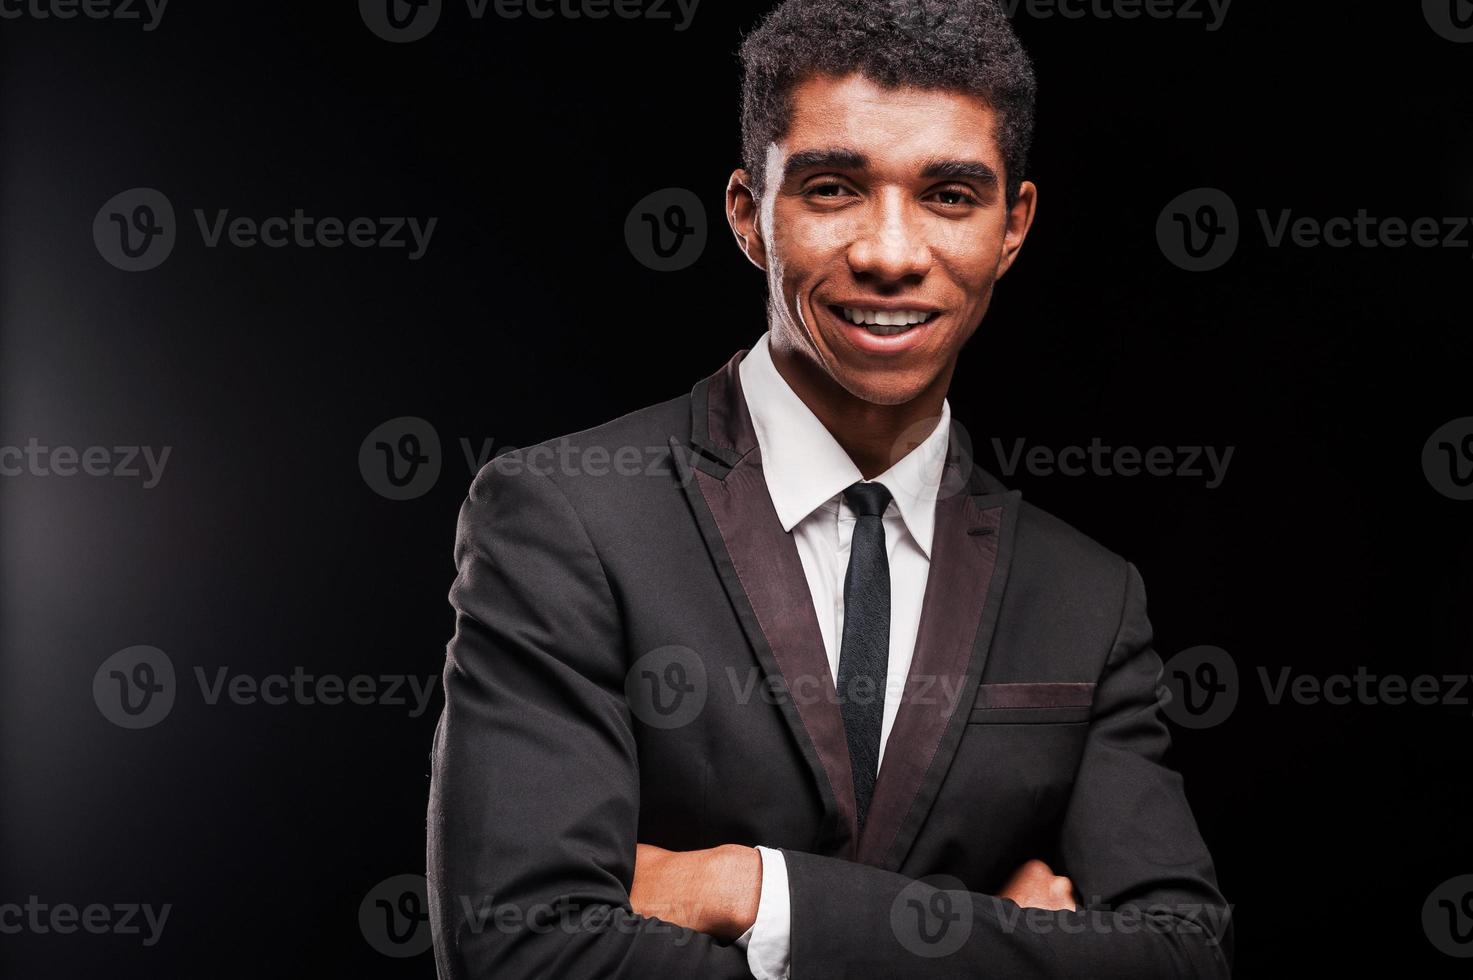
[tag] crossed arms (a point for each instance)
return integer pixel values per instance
(534, 806)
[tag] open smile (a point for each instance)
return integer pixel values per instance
(883, 323)
(888, 332)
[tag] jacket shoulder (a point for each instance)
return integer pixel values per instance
(1055, 555)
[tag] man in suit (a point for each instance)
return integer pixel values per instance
(813, 696)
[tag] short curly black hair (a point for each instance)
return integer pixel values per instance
(956, 45)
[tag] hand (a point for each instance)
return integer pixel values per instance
(1035, 886)
(714, 891)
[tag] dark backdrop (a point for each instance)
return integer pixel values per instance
(264, 548)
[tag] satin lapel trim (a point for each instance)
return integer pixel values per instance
(964, 586)
(759, 566)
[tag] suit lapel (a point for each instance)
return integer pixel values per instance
(759, 566)
(721, 472)
(969, 564)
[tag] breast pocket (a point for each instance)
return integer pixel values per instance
(1042, 703)
(1024, 743)
(1016, 765)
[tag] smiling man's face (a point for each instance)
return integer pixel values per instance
(883, 229)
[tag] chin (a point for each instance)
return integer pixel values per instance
(883, 387)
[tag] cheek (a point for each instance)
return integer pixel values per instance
(969, 258)
(807, 246)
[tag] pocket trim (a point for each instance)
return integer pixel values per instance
(1068, 714)
(1045, 694)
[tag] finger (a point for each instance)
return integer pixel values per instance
(1028, 874)
(1061, 890)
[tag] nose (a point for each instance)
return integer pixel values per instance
(890, 246)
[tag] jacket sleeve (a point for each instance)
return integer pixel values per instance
(1150, 902)
(534, 794)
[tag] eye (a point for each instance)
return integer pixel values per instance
(955, 197)
(827, 190)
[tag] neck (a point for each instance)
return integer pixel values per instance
(871, 434)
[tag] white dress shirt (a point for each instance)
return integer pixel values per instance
(806, 472)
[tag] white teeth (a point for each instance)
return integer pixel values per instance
(886, 321)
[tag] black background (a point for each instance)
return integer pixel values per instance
(263, 548)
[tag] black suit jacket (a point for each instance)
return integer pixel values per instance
(636, 658)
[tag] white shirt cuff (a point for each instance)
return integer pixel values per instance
(769, 941)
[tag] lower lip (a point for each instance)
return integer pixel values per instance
(896, 343)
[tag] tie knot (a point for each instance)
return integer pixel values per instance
(867, 499)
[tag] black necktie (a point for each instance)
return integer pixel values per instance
(864, 652)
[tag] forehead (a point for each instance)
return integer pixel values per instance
(894, 124)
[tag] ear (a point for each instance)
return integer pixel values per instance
(743, 214)
(1020, 219)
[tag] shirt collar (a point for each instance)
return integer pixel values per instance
(805, 467)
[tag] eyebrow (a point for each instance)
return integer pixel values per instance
(960, 170)
(838, 158)
(843, 158)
